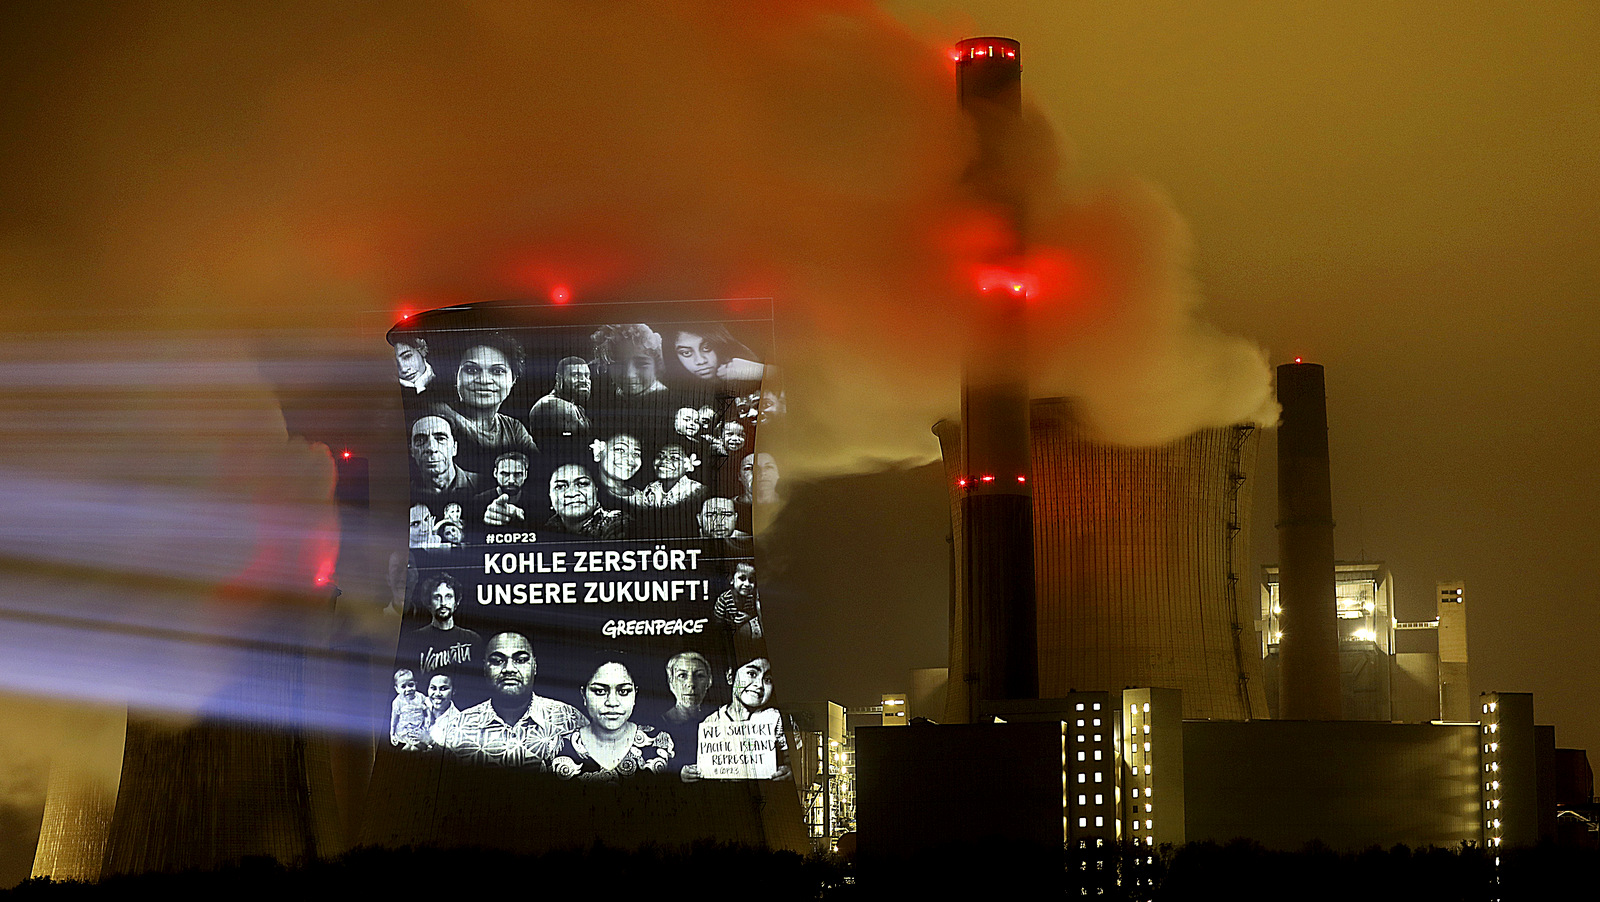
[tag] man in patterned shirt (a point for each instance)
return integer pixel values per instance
(515, 727)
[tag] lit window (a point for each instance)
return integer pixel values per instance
(1147, 768)
(1097, 706)
(1099, 800)
(1083, 800)
(1097, 737)
(1097, 756)
(1147, 746)
(1147, 807)
(1133, 709)
(1149, 791)
(1080, 722)
(1080, 756)
(1097, 776)
(1147, 707)
(1099, 822)
(1083, 822)
(1082, 777)
(1080, 706)
(1136, 792)
(1097, 721)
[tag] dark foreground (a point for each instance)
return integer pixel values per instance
(1237, 871)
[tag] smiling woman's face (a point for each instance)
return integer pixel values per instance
(484, 378)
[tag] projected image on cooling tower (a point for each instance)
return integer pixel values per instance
(583, 485)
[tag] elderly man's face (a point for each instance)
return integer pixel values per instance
(509, 664)
(718, 519)
(510, 474)
(634, 373)
(752, 684)
(440, 691)
(689, 679)
(572, 493)
(409, 361)
(621, 457)
(433, 445)
(573, 383)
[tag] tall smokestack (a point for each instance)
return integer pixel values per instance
(1002, 658)
(1308, 688)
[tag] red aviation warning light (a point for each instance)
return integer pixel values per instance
(1017, 284)
(986, 49)
(560, 294)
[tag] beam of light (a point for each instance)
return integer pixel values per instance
(169, 546)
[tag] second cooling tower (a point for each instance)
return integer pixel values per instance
(1137, 557)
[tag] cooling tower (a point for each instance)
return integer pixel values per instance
(1136, 563)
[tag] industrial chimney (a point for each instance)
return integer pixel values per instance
(1308, 687)
(1001, 648)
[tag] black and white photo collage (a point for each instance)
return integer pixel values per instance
(583, 496)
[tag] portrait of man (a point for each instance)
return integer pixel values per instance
(564, 412)
(411, 359)
(719, 519)
(438, 480)
(516, 726)
(719, 522)
(631, 355)
(576, 501)
(504, 506)
(442, 646)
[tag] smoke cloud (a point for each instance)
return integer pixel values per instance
(209, 202)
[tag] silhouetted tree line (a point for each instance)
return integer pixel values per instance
(1240, 870)
(481, 875)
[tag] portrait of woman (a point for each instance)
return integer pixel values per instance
(484, 377)
(708, 356)
(618, 459)
(612, 747)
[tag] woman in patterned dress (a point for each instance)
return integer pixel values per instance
(611, 747)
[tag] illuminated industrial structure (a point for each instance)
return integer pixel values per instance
(1138, 554)
(1389, 670)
